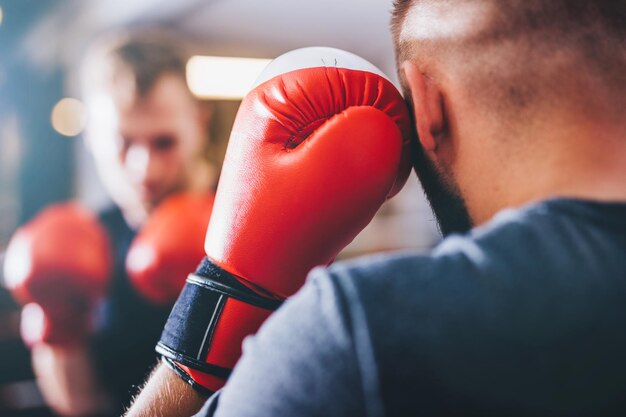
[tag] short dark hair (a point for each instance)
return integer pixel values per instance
(524, 16)
(147, 57)
(592, 32)
(139, 58)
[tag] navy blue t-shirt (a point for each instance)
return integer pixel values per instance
(123, 345)
(524, 316)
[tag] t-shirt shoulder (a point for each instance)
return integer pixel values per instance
(565, 247)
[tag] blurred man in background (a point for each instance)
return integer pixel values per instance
(149, 139)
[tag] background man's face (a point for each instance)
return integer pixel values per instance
(152, 148)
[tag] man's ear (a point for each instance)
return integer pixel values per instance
(427, 106)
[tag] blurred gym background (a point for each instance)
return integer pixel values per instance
(42, 156)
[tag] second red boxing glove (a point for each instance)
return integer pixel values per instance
(315, 150)
(58, 265)
(169, 246)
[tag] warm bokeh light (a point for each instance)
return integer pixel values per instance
(69, 117)
(18, 262)
(223, 78)
(1, 15)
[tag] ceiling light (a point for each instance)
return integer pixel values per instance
(223, 78)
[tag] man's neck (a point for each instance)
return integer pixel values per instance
(578, 162)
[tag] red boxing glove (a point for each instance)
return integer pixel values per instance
(315, 151)
(58, 265)
(169, 246)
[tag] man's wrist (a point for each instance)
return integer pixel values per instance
(185, 376)
(166, 394)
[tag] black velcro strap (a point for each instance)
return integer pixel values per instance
(211, 275)
(188, 332)
(241, 294)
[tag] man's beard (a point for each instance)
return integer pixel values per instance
(443, 195)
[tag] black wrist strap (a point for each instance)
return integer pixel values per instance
(188, 333)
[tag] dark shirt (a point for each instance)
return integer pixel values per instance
(130, 326)
(524, 316)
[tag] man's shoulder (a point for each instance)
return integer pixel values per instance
(533, 283)
(529, 260)
(471, 252)
(524, 241)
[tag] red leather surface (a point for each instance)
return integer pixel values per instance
(61, 261)
(237, 321)
(312, 156)
(169, 246)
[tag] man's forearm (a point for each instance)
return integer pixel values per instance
(165, 394)
(67, 380)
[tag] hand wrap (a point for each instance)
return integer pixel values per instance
(213, 305)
